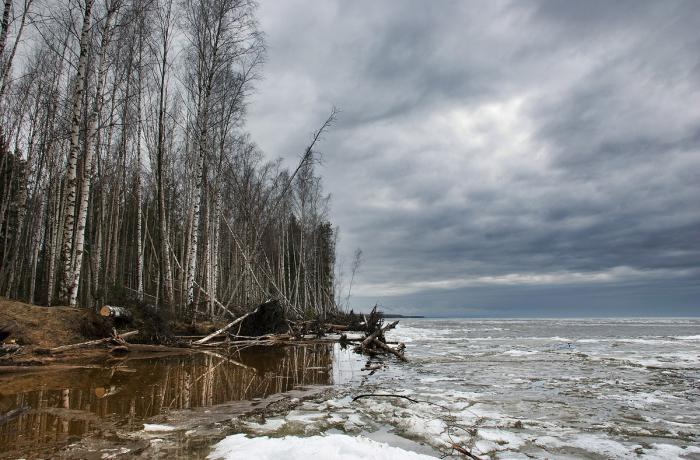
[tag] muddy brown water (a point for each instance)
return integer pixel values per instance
(59, 406)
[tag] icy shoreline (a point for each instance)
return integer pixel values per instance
(517, 390)
(500, 390)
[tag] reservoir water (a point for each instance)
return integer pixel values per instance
(592, 389)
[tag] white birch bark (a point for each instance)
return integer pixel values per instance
(89, 155)
(5, 26)
(214, 273)
(139, 199)
(74, 150)
(139, 205)
(194, 238)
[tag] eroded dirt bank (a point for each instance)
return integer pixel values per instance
(31, 332)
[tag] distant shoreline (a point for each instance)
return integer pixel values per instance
(396, 315)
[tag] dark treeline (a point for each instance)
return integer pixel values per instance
(125, 165)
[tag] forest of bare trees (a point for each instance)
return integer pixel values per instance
(126, 169)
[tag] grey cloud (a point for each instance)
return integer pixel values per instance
(488, 139)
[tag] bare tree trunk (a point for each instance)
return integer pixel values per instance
(36, 245)
(214, 274)
(139, 205)
(90, 153)
(165, 270)
(194, 236)
(8, 64)
(57, 207)
(54, 226)
(139, 197)
(5, 25)
(71, 175)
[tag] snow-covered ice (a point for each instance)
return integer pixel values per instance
(332, 447)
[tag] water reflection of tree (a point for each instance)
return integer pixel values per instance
(72, 402)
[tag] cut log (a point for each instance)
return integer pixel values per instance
(92, 342)
(115, 312)
(103, 392)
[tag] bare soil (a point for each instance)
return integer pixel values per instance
(46, 327)
(37, 329)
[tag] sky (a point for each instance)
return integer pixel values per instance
(498, 158)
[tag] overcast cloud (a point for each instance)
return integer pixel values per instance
(499, 158)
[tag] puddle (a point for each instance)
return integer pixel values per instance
(62, 406)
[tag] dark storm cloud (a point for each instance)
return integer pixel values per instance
(488, 147)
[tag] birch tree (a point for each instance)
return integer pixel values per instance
(90, 141)
(71, 185)
(127, 174)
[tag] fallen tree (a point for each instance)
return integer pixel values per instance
(266, 325)
(115, 338)
(225, 328)
(398, 351)
(261, 327)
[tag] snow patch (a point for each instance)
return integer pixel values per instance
(157, 428)
(332, 446)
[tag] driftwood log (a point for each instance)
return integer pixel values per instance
(267, 325)
(225, 328)
(116, 338)
(378, 333)
(388, 349)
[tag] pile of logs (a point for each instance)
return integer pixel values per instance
(375, 342)
(267, 325)
(298, 332)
